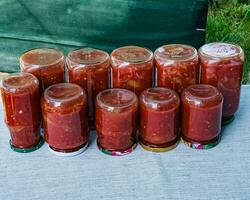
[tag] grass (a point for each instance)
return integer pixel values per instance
(229, 21)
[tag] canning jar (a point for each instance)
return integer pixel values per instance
(22, 114)
(46, 64)
(132, 68)
(116, 121)
(89, 68)
(222, 67)
(201, 116)
(159, 119)
(177, 66)
(65, 117)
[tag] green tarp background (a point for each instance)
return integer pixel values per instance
(105, 24)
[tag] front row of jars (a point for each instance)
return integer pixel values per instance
(65, 116)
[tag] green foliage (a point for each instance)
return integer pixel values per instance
(229, 21)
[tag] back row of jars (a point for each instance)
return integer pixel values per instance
(135, 68)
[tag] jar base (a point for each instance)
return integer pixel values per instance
(156, 149)
(27, 150)
(159, 150)
(197, 145)
(116, 152)
(68, 154)
(227, 120)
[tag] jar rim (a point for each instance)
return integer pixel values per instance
(133, 61)
(159, 96)
(63, 93)
(16, 87)
(117, 98)
(222, 50)
(102, 59)
(200, 94)
(59, 59)
(175, 54)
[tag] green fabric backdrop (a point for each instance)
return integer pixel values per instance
(104, 24)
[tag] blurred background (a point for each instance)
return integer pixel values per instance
(70, 24)
(229, 21)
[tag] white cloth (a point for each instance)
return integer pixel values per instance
(183, 173)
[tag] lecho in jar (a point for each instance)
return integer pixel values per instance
(46, 64)
(89, 68)
(132, 68)
(116, 121)
(22, 114)
(65, 117)
(177, 66)
(159, 119)
(222, 67)
(201, 116)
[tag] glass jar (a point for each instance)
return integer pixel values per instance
(116, 121)
(201, 116)
(22, 114)
(222, 67)
(65, 117)
(46, 64)
(132, 68)
(177, 66)
(89, 68)
(159, 119)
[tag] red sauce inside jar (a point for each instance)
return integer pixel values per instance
(159, 117)
(22, 114)
(116, 119)
(64, 107)
(132, 68)
(177, 66)
(89, 68)
(222, 67)
(201, 113)
(46, 64)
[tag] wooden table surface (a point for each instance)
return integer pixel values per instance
(183, 173)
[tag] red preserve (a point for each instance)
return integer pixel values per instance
(22, 114)
(177, 66)
(201, 116)
(159, 119)
(116, 121)
(65, 117)
(89, 68)
(46, 64)
(132, 68)
(222, 67)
